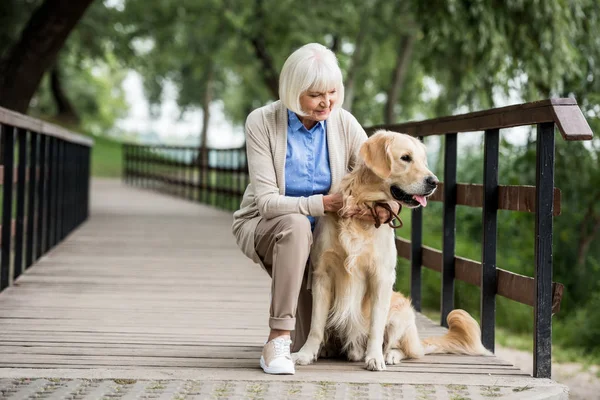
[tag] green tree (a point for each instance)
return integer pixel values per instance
(24, 63)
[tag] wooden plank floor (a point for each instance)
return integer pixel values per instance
(154, 286)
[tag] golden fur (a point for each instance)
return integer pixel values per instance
(354, 266)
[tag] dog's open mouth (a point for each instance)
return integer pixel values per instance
(411, 200)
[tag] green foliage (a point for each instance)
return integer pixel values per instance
(582, 328)
(94, 86)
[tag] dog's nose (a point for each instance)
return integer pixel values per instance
(432, 181)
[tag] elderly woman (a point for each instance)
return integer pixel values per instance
(299, 147)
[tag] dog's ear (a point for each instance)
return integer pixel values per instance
(377, 156)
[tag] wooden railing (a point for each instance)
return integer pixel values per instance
(50, 168)
(216, 176)
(543, 199)
(222, 177)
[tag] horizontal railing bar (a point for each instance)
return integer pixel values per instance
(510, 197)
(182, 164)
(176, 147)
(519, 288)
(182, 182)
(17, 120)
(563, 111)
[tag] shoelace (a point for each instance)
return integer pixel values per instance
(282, 347)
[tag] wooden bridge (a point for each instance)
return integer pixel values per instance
(145, 294)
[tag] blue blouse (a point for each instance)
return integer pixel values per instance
(307, 169)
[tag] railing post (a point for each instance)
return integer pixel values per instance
(181, 176)
(542, 355)
(8, 148)
(78, 184)
(124, 163)
(88, 172)
(60, 190)
(242, 166)
(449, 240)
(202, 175)
(31, 213)
(19, 221)
(143, 166)
(56, 190)
(488, 258)
(51, 191)
(42, 198)
(416, 257)
(134, 164)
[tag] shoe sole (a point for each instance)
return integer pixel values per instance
(274, 370)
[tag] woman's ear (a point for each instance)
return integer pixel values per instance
(376, 154)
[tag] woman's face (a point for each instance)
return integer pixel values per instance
(317, 106)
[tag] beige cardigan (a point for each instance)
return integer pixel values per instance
(266, 146)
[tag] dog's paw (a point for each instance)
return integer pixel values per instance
(303, 358)
(393, 357)
(375, 363)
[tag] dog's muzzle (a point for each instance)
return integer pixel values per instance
(415, 200)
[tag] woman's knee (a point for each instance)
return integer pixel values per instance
(296, 225)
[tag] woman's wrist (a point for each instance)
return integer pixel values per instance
(332, 202)
(327, 203)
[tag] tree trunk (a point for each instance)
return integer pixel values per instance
(65, 110)
(270, 74)
(335, 43)
(206, 101)
(354, 66)
(44, 35)
(402, 62)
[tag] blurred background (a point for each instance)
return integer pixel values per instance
(188, 72)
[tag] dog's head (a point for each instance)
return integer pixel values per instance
(401, 162)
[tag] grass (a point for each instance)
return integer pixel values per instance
(107, 158)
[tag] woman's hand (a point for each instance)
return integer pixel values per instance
(333, 202)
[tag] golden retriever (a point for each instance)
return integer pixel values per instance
(354, 266)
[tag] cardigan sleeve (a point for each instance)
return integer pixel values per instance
(261, 167)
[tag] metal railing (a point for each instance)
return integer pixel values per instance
(215, 176)
(542, 199)
(221, 178)
(44, 174)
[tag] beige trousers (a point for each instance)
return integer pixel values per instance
(283, 245)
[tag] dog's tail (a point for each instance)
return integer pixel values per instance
(463, 337)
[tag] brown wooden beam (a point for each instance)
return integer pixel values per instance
(563, 111)
(514, 198)
(519, 288)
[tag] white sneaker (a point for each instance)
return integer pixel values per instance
(276, 357)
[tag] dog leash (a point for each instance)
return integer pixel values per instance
(390, 220)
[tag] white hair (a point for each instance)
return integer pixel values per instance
(313, 67)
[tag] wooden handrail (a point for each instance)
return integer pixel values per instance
(563, 111)
(517, 287)
(12, 118)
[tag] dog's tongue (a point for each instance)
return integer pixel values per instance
(421, 199)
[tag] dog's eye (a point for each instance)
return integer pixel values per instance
(406, 158)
